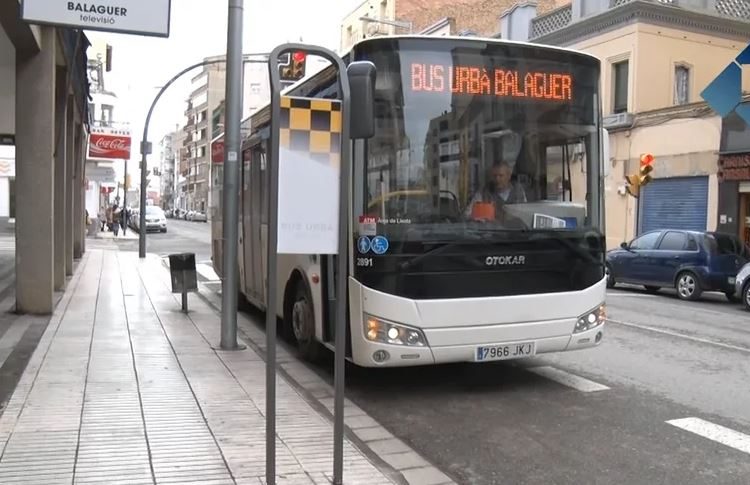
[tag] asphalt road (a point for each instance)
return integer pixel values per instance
(181, 236)
(661, 360)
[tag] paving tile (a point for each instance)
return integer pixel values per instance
(136, 387)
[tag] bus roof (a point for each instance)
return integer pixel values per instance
(262, 113)
(489, 40)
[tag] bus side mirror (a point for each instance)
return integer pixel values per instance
(362, 106)
(606, 163)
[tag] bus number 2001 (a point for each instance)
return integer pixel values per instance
(367, 262)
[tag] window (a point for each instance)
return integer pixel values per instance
(647, 241)
(681, 84)
(673, 241)
(620, 91)
(106, 115)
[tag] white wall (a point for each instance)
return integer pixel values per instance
(7, 85)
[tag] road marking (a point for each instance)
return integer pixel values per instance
(207, 272)
(681, 335)
(567, 379)
(11, 338)
(720, 434)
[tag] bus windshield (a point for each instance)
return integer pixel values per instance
(473, 134)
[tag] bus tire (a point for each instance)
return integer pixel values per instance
(302, 323)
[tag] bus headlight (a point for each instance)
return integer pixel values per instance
(377, 330)
(591, 319)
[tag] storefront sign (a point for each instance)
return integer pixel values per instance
(217, 151)
(109, 143)
(139, 17)
(734, 167)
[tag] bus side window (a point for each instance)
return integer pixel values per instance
(262, 158)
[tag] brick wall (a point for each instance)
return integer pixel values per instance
(481, 16)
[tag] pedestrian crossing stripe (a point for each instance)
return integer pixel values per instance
(311, 126)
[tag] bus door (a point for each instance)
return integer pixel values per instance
(243, 217)
(253, 262)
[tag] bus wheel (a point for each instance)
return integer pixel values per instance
(303, 324)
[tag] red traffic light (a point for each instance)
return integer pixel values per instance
(647, 159)
(299, 56)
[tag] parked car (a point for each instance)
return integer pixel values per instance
(692, 262)
(742, 285)
(198, 216)
(155, 219)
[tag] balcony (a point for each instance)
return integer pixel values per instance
(551, 21)
(562, 17)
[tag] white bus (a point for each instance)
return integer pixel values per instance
(476, 230)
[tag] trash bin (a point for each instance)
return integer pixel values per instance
(184, 278)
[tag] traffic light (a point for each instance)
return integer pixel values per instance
(643, 177)
(646, 168)
(293, 66)
(633, 186)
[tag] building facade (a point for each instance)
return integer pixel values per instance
(208, 91)
(167, 170)
(657, 57)
(427, 17)
(103, 186)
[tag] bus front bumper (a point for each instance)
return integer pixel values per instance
(376, 354)
(390, 331)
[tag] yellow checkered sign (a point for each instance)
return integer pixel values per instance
(311, 126)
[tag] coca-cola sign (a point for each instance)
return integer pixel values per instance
(217, 151)
(109, 144)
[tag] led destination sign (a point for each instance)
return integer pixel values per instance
(499, 82)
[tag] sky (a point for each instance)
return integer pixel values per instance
(141, 65)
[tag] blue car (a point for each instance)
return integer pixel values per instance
(692, 262)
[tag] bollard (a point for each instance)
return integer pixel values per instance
(184, 279)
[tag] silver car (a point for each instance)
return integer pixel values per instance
(742, 285)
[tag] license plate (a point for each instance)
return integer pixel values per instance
(505, 351)
(732, 279)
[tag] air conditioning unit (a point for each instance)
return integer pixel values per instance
(619, 120)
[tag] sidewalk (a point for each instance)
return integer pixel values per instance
(131, 234)
(124, 388)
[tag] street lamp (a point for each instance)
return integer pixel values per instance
(146, 146)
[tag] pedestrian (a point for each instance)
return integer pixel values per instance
(102, 218)
(116, 215)
(109, 218)
(124, 214)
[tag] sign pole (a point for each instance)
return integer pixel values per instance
(342, 258)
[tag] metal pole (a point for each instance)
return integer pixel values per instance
(342, 266)
(229, 287)
(342, 290)
(272, 274)
(125, 199)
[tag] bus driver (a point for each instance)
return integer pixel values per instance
(498, 191)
